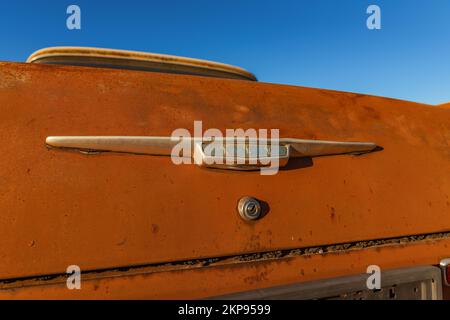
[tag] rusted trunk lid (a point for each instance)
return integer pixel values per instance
(115, 210)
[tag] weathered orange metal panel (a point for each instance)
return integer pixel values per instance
(200, 283)
(108, 211)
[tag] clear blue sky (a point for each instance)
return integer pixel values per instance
(313, 43)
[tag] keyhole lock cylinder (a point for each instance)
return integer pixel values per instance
(250, 209)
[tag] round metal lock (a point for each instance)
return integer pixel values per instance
(250, 209)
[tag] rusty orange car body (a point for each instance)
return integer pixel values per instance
(140, 227)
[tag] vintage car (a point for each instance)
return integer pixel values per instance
(89, 186)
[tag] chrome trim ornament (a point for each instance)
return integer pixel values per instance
(224, 153)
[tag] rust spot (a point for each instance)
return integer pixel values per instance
(372, 113)
(30, 122)
(121, 243)
(13, 78)
(256, 278)
(155, 228)
(253, 243)
(332, 213)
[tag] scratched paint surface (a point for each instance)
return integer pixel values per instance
(108, 211)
